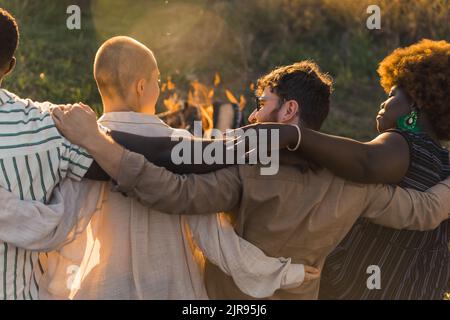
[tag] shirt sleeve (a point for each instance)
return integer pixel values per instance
(171, 193)
(256, 274)
(409, 209)
(33, 225)
(74, 161)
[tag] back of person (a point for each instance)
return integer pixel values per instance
(414, 264)
(138, 253)
(291, 214)
(34, 158)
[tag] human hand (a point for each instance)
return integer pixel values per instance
(78, 123)
(287, 133)
(311, 273)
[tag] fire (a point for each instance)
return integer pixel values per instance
(217, 79)
(173, 103)
(231, 97)
(199, 96)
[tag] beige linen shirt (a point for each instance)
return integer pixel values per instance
(129, 251)
(303, 216)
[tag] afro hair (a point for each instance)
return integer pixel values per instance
(423, 71)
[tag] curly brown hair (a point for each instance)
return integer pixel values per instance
(305, 83)
(423, 71)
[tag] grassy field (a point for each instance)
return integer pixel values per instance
(194, 39)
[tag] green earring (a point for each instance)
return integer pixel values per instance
(409, 122)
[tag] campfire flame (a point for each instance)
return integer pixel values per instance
(199, 96)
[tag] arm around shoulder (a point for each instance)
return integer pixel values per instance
(399, 208)
(163, 190)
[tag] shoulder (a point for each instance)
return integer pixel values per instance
(394, 137)
(24, 119)
(393, 145)
(11, 102)
(180, 133)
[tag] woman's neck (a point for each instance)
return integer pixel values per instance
(116, 105)
(117, 108)
(426, 126)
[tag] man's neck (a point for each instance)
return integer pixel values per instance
(2, 77)
(295, 120)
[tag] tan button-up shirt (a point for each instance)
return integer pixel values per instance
(303, 216)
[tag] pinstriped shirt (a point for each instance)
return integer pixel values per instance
(415, 265)
(34, 158)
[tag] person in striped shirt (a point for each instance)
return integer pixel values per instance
(34, 158)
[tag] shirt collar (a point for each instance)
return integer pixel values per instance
(131, 117)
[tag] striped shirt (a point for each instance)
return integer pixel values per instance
(34, 158)
(414, 265)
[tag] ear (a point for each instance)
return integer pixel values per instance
(12, 64)
(140, 87)
(291, 110)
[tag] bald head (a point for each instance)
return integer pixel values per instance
(119, 63)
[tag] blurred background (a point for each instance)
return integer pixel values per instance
(218, 48)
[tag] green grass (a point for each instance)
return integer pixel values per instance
(53, 63)
(241, 40)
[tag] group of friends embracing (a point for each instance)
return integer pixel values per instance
(96, 209)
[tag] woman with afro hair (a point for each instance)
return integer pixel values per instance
(412, 123)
